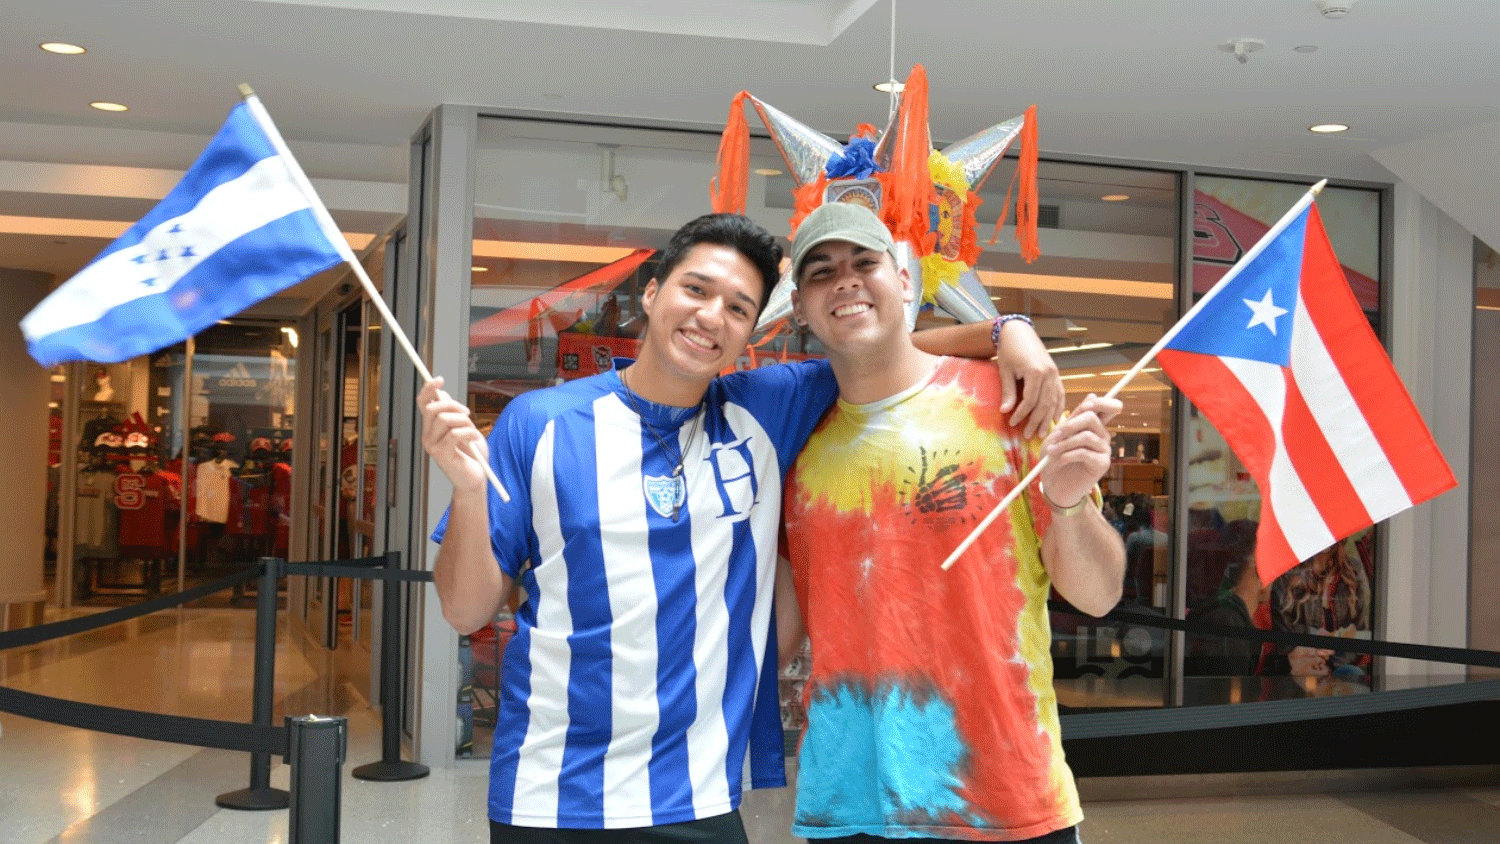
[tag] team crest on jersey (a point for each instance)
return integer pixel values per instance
(666, 493)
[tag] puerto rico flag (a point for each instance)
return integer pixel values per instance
(1285, 364)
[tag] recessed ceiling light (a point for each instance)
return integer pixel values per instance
(1305, 48)
(62, 48)
(1115, 197)
(478, 269)
(890, 86)
(1328, 128)
(767, 171)
(103, 106)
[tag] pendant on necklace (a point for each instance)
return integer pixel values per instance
(665, 493)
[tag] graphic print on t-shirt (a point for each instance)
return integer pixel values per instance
(929, 704)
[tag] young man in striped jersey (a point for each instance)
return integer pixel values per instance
(639, 694)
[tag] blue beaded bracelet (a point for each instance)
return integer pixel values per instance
(1001, 321)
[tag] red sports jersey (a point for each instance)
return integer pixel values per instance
(144, 501)
(281, 506)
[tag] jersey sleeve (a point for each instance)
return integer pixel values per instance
(512, 444)
(787, 399)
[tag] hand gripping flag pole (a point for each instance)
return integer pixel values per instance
(326, 222)
(1255, 251)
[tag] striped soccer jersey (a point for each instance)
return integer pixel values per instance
(640, 686)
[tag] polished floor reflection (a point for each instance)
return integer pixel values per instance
(60, 784)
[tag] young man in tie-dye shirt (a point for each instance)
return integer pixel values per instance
(930, 710)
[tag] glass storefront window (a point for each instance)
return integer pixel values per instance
(239, 431)
(177, 460)
(1332, 593)
(561, 254)
(1101, 294)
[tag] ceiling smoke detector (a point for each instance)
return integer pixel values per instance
(1242, 48)
(1334, 9)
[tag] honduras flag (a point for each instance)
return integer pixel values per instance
(243, 224)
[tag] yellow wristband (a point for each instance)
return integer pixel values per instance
(1076, 507)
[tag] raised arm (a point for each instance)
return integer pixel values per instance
(470, 584)
(1083, 554)
(1032, 390)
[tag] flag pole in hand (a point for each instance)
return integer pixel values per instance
(325, 220)
(1254, 252)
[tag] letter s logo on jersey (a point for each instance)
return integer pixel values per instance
(128, 492)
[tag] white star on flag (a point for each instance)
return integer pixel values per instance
(1265, 312)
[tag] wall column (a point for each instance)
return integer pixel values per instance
(23, 476)
(1427, 547)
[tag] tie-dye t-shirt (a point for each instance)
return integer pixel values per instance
(930, 710)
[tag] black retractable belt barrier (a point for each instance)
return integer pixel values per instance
(391, 768)
(1374, 647)
(1096, 725)
(83, 624)
(260, 794)
(316, 748)
(316, 751)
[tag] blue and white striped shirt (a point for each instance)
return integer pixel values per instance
(640, 686)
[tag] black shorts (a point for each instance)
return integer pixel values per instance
(1062, 836)
(726, 828)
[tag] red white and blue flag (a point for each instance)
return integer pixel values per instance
(1285, 364)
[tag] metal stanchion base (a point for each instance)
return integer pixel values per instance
(254, 799)
(391, 771)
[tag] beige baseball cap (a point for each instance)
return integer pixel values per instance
(839, 221)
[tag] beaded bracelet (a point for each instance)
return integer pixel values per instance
(1000, 321)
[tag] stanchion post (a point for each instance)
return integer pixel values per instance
(316, 747)
(260, 794)
(390, 768)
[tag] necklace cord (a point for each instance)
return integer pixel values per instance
(681, 453)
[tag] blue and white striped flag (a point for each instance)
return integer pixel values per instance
(243, 224)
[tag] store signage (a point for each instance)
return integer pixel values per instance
(238, 376)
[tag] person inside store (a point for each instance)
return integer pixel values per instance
(930, 710)
(1242, 601)
(638, 693)
(1328, 595)
(1144, 542)
(1234, 604)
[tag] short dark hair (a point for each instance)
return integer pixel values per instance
(1238, 541)
(736, 231)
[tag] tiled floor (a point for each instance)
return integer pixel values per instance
(60, 784)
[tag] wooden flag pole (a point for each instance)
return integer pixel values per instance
(331, 231)
(1259, 247)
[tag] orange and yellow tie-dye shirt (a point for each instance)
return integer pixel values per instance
(930, 710)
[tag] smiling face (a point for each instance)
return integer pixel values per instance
(853, 298)
(699, 320)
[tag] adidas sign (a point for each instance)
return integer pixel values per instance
(238, 376)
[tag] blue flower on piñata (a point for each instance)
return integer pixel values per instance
(857, 161)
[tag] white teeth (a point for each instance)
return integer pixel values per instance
(850, 310)
(696, 339)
